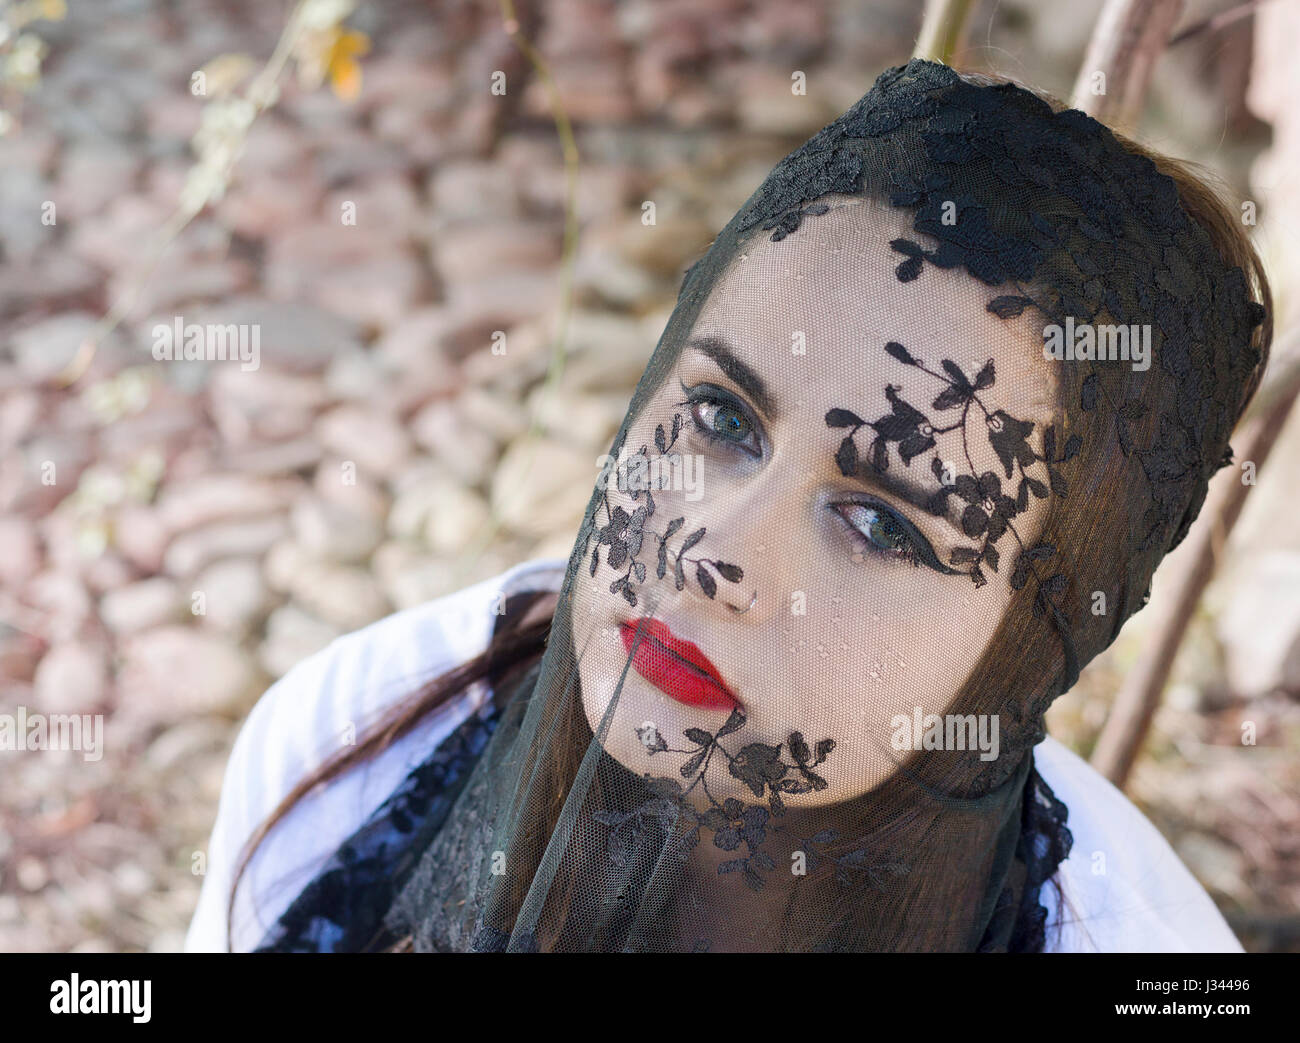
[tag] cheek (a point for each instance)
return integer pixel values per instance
(885, 640)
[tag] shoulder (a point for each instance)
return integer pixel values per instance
(1125, 888)
(318, 706)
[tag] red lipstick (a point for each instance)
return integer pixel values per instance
(676, 667)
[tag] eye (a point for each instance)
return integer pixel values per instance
(882, 531)
(721, 417)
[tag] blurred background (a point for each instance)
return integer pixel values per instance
(175, 536)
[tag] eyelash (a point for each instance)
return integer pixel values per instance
(917, 550)
(708, 395)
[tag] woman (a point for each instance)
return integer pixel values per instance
(926, 417)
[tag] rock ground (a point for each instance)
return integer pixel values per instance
(206, 528)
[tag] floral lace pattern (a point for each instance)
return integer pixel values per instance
(733, 822)
(1125, 252)
(625, 534)
(342, 909)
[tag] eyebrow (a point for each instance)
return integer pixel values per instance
(903, 486)
(749, 382)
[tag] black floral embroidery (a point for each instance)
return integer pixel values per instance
(342, 908)
(625, 534)
(972, 145)
(990, 509)
(789, 221)
(734, 823)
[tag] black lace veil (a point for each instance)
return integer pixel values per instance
(714, 825)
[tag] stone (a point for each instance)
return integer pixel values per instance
(235, 597)
(340, 267)
(57, 278)
(300, 338)
(606, 352)
(494, 302)
(71, 678)
(19, 655)
(465, 252)
(375, 292)
(62, 597)
(160, 424)
(359, 377)
(766, 105)
(63, 456)
(494, 414)
(289, 457)
(474, 190)
(606, 274)
(92, 175)
(180, 284)
(187, 505)
(335, 531)
(541, 486)
(283, 561)
(384, 205)
(590, 92)
(292, 635)
(465, 450)
(107, 571)
(586, 420)
(457, 522)
(266, 206)
(189, 552)
(375, 441)
(111, 240)
(369, 499)
(346, 157)
(346, 597)
(19, 411)
(141, 605)
(416, 340)
(172, 673)
(525, 354)
(140, 536)
(247, 408)
(1216, 865)
(45, 349)
(21, 228)
(20, 553)
(174, 748)
(412, 577)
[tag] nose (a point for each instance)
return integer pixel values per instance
(730, 572)
(741, 611)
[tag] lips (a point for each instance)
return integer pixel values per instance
(676, 667)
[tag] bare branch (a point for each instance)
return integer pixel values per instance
(1128, 41)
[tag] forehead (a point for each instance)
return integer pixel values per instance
(815, 310)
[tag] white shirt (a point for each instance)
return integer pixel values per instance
(1126, 890)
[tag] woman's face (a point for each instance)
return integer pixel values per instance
(829, 598)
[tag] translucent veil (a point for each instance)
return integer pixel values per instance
(716, 832)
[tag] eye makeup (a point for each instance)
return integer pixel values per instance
(882, 531)
(724, 419)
